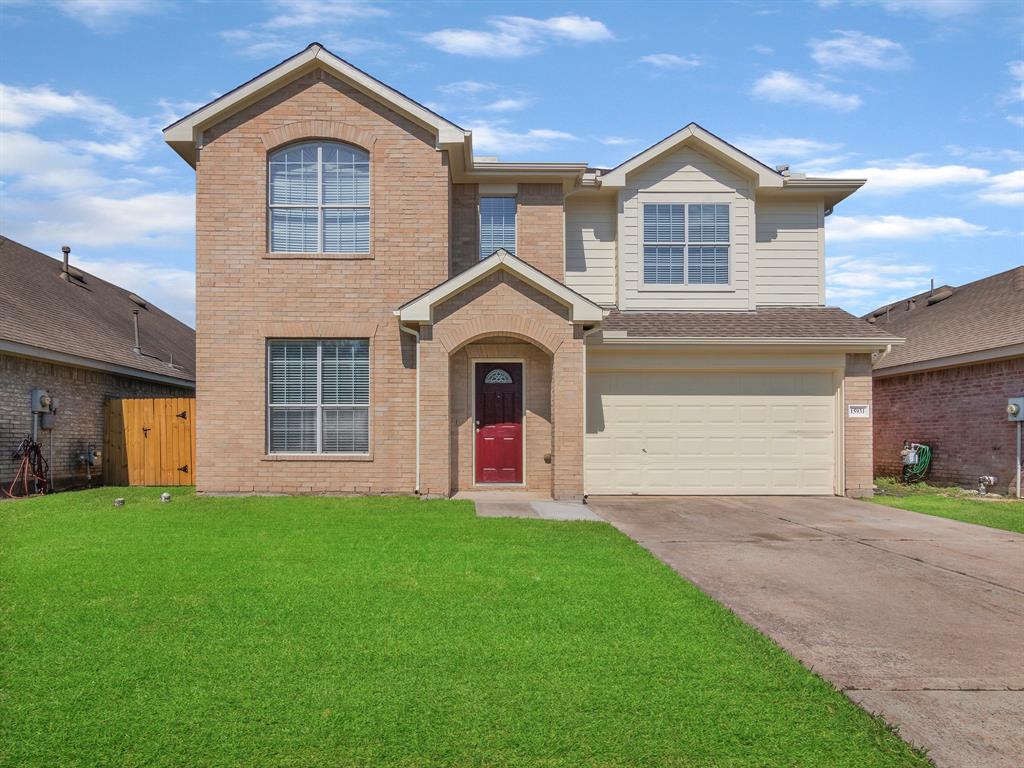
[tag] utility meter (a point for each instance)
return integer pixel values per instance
(1015, 409)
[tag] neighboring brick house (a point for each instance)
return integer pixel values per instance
(73, 334)
(379, 311)
(948, 385)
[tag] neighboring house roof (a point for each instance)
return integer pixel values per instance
(420, 309)
(87, 322)
(768, 325)
(956, 325)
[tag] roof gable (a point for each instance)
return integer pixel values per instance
(709, 144)
(421, 309)
(184, 134)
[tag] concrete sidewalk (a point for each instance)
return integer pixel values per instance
(918, 618)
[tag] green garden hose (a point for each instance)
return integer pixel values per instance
(915, 473)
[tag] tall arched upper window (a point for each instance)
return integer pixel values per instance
(320, 199)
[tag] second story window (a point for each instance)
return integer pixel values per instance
(319, 199)
(686, 244)
(497, 225)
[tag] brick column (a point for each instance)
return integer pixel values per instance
(567, 393)
(435, 447)
(858, 439)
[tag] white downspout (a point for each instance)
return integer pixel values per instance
(416, 335)
(583, 444)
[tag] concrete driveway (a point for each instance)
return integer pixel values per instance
(917, 618)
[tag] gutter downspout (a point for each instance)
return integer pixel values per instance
(416, 335)
(583, 445)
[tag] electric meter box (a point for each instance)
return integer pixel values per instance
(41, 400)
(1015, 409)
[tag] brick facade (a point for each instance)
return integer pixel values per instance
(465, 226)
(80, 420)
(959, 412)
(857, 434)
(540, 227)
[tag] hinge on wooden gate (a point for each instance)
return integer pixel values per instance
(183, 468)
(183, 415)
(145, 431)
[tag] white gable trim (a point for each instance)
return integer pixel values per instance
(186, 134)
(421, 309)
(766, 177)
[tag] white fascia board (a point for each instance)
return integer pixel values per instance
(849, 345)
(185, 133)
(420, 310)
(766, 177)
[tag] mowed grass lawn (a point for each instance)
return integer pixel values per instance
(382, 632)
(1005, 514)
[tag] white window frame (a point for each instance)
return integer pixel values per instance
(685, 244)
(480, 223)
(320, 206)
(319, 406)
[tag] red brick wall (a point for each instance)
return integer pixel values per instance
(959, 412)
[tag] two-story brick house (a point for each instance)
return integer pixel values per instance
(380, 312)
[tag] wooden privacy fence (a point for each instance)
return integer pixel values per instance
(150, 441)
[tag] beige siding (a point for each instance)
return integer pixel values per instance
(790, 253)
(590, 247)
(687, 176)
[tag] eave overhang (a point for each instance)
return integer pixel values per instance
(421, 309)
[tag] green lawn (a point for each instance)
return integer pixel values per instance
(953, 503)
(382, 632)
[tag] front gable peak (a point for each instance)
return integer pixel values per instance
(186, 134)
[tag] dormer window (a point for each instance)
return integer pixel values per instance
(497, 225)
(686, 244)
(319, 199)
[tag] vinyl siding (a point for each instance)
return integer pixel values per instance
(790, 253)
(685, 176)
(590, 247)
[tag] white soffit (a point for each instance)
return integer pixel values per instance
(184, 134)
(420, 309)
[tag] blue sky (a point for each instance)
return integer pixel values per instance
(924, 97)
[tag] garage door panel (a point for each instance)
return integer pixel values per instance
(710, 433)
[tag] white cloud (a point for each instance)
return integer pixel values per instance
(616, 141)
(509, 104)
(783, 149)
(1005, 189)
(170, 288)
(295, 22)
(466, 87)
(1017, 120)
(785, 87)
(1016, 93)
(932, 9)
(125, 137)
(904, 177)
(846, 228)
(764, 50)
(856, 49)
(515, 36)
(108, 15)
(493, 138)
(862, 284)
(671, 61)
(986, 154)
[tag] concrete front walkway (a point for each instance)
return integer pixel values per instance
(917, 618)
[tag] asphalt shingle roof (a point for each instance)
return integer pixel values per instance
(986, 314)
(88, 318)
(766, 322)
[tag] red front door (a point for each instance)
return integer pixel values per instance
(499, 422)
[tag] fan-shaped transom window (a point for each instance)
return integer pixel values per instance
(319, 199)
(498, 376)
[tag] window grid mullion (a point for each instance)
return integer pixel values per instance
(319, 398)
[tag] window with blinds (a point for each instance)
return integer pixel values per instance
(686, 244)
(319, 199)
(318, 396)
(497, 225)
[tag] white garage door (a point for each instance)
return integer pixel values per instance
(671, 432)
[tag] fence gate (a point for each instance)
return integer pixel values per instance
(150, 441)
